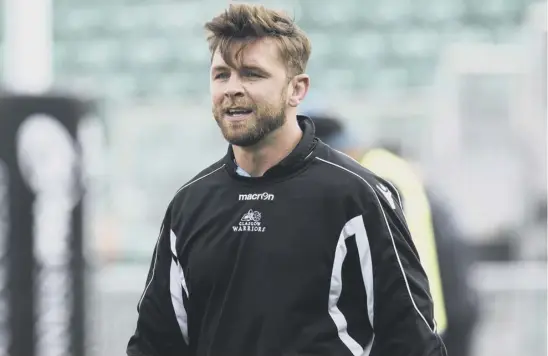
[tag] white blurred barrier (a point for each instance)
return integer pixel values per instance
(513, 298)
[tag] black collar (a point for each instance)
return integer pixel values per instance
(292, 163)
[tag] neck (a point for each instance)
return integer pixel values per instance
(259, 158)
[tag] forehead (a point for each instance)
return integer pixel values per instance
(264, 53)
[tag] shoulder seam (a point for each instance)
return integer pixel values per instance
(382, 180)
(197, 179)
(345, 168)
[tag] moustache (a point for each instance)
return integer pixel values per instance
(232, 104)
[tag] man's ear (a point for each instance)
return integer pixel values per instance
(300, 83)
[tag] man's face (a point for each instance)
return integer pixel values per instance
(249, 101)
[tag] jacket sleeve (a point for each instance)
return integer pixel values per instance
(403, 321)
(162, 319)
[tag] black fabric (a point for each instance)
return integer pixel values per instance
(327, 127)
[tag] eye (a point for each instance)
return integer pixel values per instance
(251, 74)
(222, 75)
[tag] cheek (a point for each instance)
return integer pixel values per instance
(216, 96)
(216, 88)
(265, 94)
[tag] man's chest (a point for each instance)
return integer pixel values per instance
(261, 237)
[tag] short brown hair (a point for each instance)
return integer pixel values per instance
(245, 23)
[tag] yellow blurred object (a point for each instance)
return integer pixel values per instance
(418, 214)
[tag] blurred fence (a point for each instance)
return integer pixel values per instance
(513, 316)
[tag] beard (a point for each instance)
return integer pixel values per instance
(263, 120)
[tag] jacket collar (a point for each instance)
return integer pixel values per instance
(300, 155)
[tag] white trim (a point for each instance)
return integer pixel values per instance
(391, 237)
(354, 227)
(160, 235)
(335, 290)
(176, 285)
(197, 179)
(153, 268)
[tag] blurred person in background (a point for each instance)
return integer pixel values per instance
(260, 254)
(441, 247)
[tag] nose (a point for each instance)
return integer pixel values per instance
(234, 88)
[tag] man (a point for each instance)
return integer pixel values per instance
(284, 246)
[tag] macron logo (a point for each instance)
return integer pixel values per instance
(387, 194)
(262, 196)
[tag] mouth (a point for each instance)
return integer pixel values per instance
(237, 113)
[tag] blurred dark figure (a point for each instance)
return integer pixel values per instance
(457, 304)
(461, 300)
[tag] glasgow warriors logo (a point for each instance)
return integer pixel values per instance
(250, 221)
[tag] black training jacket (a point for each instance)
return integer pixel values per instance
(314, 258)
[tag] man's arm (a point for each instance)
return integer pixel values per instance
(403, 308)
(162, 328)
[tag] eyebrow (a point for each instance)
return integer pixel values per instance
(254, 68)
(220, 67)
